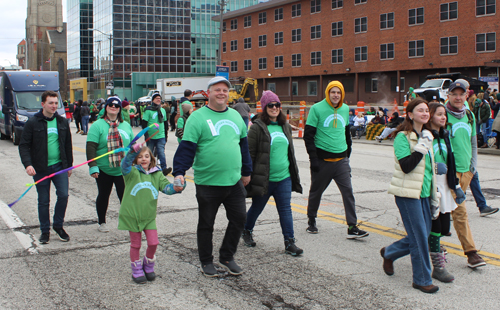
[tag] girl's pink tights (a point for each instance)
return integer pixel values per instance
(135, 244)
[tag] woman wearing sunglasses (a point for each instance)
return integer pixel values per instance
(107, 134)
(275, 172)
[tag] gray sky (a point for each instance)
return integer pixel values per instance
(12, 28)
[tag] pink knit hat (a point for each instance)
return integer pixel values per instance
(268, 97)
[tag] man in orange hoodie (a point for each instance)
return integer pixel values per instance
(328, 143)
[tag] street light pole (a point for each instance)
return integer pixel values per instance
(222, 4)
(110, 37)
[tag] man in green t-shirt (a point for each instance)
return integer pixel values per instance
(462, 127)
(46, 148)
(215, 144)
(156, 114)
(328, 143)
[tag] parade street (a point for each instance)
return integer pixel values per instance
(92, 271)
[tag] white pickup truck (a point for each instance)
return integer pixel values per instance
(440, 85)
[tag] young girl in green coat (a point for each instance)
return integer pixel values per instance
(143, 181)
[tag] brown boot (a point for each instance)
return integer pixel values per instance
(388, 266)
(484, 146)
(426, 289)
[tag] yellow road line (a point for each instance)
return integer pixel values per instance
(490, 258)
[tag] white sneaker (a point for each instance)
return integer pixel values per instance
(103, 228)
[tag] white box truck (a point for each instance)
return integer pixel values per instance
(173, 88)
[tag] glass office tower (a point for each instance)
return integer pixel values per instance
(79, 39)
(205, 32)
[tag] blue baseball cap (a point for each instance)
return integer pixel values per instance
(456, 85)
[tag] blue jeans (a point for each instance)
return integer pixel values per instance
(160, 150)
(85, 123)
(245, 119)
(416, 216)
(282, 193)
(477, 193)
(43, 188)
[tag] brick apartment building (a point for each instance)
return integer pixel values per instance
(374, 47)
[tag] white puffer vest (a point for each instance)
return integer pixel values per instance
(409, 185)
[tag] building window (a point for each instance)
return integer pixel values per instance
(337, 4)
(387, 51)
(361, 53)
(449, 11)
(387, 21)
(263, 40)
(247, 65)
(224, 48)
(315, 6)
(278, 62)
(359, 1)
(234, 66)
(224, 64)
(316, 32)
(247, 43)
(416, 48)
(360, 24)
(271, 87)
(374, 85)
(338, 56)
(234, 24)
(337, 29)
(449, 46)
(278, 38)
(234, 45)
(315, 58)
(485, 7)
(247, 21)
(394, 84)
(312, 88)
(224, 26)
(295, 88)
(416, 16)
(278, 14)
(296, 10)
(485, 42)
(296, 35)
(262, 63)
(296, 60)
(262, 18)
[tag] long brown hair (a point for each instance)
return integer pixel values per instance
(407, 124)
(151, 156)
(433, 106)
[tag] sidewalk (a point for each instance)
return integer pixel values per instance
(488, 151)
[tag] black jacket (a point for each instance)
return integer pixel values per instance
(33, 144)
(259, 144)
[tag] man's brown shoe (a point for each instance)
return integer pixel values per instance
(388, 266)
(474, 260)
(426, 289)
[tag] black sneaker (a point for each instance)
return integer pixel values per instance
(209, 270)
(166, 171)
(353, 232)
(232, 267)
(488, 211)
(44, 238)
(248, 238)
(291, 248)
(312, 229)
(63, 236)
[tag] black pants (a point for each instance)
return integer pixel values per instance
(78, 123)
(441, 225)
(104, 186)
(172, 121)
(209, 200)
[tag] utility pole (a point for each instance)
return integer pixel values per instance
(222, 4)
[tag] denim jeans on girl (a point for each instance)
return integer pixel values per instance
(85, 123)
(282, 193)
(416, 216)
(43, 188)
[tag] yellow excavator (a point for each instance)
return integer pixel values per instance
(243, 91)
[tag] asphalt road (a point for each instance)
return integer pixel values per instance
(92, 271)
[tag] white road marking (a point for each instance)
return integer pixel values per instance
(14, 222)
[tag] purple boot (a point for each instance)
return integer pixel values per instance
(149, 268)
(137, 272)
